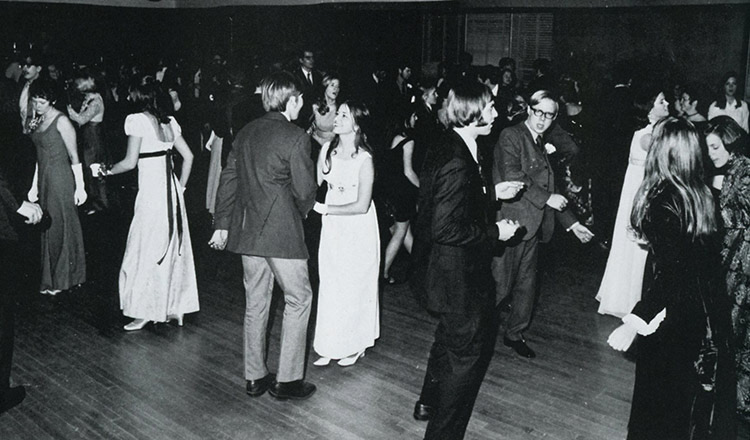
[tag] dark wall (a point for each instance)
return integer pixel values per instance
(684, 43)
(343, 35)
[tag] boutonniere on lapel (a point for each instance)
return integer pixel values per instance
(549, 148)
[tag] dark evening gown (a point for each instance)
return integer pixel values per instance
(400, 194)
(669, 401)
(63, 257)
(734, 202)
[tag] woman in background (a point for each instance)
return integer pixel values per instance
(623, 277)
(324, 110)
(728, 103)
(684, 382)
(400, 187)
(59, 188)
(349, 255)
(90, 118)
(727, 146)
(157, 277)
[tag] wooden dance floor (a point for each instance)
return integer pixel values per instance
(88, 379)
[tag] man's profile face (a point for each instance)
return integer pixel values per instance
(405, 73)
(541, 115)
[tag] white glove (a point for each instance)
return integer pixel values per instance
(33, 194)
(641, 326)
(320, 208)
(622, 337)
(80, 194)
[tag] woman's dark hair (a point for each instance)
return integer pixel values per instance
(44, 88)
(643, 102)
(145, 97)
(398, 124)
(721, 97)
(729, 131)
(361, 117)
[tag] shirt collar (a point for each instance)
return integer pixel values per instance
(470, 142)
(534, 135)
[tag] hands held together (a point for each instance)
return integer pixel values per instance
(218, 241)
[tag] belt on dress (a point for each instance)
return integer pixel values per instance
(170, 209)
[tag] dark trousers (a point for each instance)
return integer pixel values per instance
(515, 275)
(458, 362)
(8, 289)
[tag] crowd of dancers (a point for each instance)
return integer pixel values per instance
(467, 169)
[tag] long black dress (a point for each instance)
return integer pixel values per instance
(668, 398)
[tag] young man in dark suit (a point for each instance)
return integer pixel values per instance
(310, 82)
(454, 234)
(11, 214)
(521, 154)
(266, 190)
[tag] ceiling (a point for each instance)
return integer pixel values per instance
(173, 4)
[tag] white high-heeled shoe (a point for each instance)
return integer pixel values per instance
(179, 318)
(137, 324)
(322, 361)
(351, 360)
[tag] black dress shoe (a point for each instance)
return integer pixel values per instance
(422, 412)
(295, 390)
(11, 397)
(257, 387)
(519, 347)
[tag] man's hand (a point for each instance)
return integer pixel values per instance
(508, 190)
(507, 229)
(218, 241)
(557, 202)
(582, 232)
(32, 212)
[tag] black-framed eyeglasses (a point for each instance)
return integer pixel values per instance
(547, 115)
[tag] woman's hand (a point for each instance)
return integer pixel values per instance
(320, 208)
(218, 241)
(80, 193)
(622, 337)
(32, 212)
(33, 194)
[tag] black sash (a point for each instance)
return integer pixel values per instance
(170, 209)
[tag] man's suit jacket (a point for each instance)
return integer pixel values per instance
(454, 232)
(517, 157)
(309, 94)
(9, 219)
(266, 190)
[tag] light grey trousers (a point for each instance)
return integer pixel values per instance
(293, 278)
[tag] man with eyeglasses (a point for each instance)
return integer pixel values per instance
(521, 155)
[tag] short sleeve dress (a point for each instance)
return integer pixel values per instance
(157, 277)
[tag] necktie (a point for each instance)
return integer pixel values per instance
(309, 78)
(539, 142)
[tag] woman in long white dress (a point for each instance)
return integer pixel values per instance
(348, 320)
(157, 277)
(621, 285)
